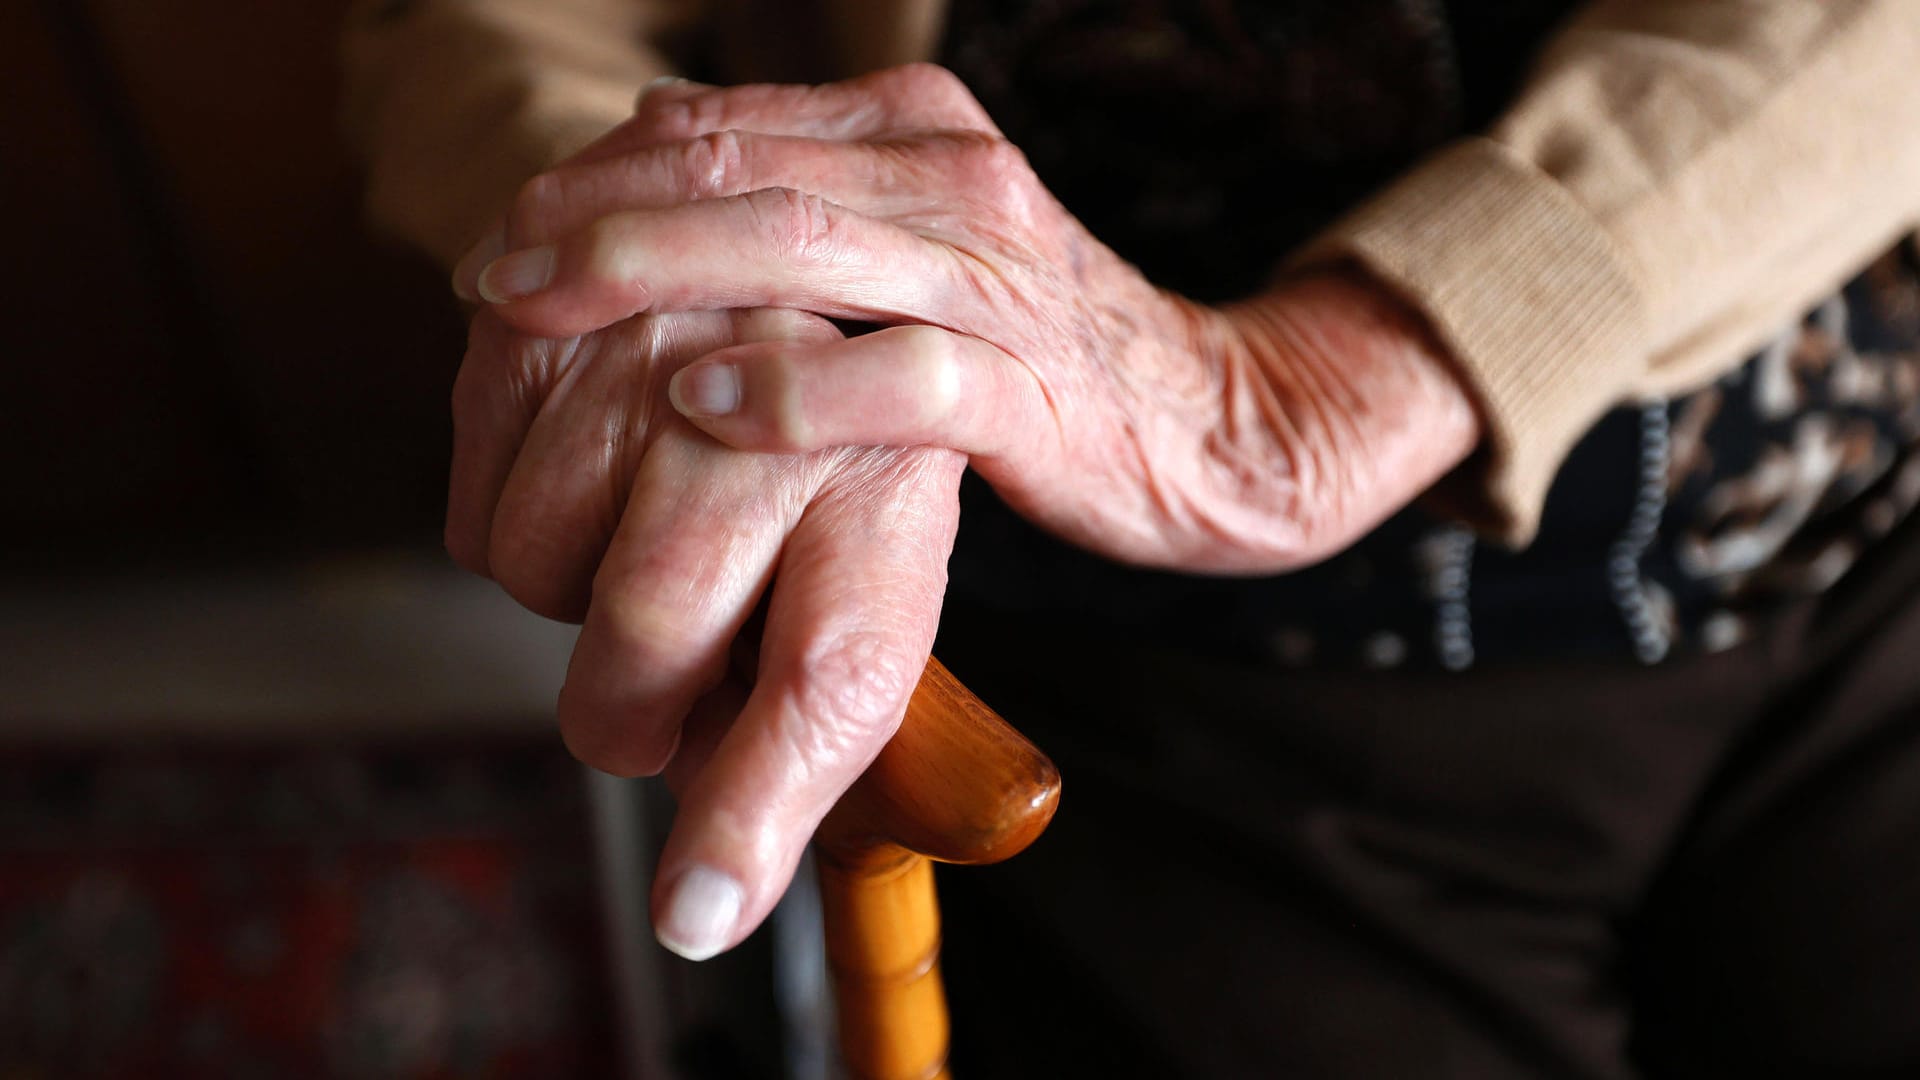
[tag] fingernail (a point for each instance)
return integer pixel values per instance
(522, 273)
(705, 389)
(466, 276)
(660, 83)
(701, 912)
(664, 82)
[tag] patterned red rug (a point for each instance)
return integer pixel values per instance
(414, 912)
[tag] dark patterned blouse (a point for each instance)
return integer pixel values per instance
(1205, 139)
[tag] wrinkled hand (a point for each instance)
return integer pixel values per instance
(1129, 420)
(587, 498)
(567, 471)
(1137, 424)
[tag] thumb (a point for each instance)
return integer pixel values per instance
(906, 386)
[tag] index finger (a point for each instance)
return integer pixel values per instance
(915, 97)
(774, 247)
(849, 629)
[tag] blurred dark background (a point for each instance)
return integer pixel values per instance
(278, 789)
(204, 345)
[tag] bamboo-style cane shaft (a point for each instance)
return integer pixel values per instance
(956, 784)
(883, 948)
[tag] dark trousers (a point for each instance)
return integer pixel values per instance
(1709, 867)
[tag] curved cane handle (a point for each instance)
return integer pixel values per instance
(955, 784)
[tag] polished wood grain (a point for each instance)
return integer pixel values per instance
(957, 785)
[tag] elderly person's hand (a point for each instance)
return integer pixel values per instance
(1255, 437)
(583, 496)
(1132, 421)
(581, 493)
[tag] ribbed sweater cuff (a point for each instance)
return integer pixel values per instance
(1528, 293)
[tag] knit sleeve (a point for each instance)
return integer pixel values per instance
(1675, 183)
(453, 104)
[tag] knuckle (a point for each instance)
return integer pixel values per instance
(711, 111)
(715, 164)
(1000, 162)
(931, 83)
(797, 224)
(930, 80)
(933, 363)
(997, 170)
(850, 696)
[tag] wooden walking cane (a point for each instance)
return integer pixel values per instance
(955, 785)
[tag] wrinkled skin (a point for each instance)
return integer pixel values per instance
(586, 499)
(1150, 429)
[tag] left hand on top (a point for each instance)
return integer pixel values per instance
(1249, 438)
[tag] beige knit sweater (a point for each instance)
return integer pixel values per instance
(1678, 181)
